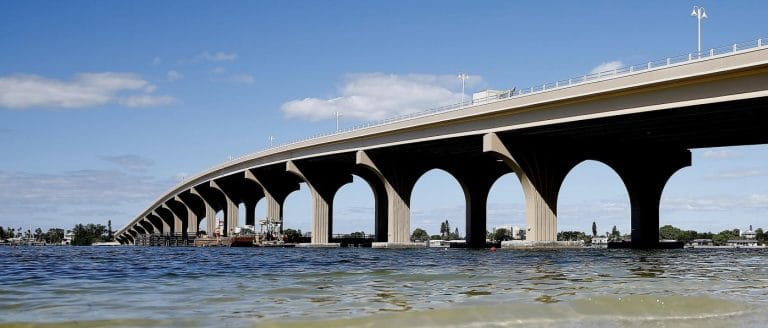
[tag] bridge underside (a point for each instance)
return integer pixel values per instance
(645, 149)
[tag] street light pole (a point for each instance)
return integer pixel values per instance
(700, 14)
(271, 140)
(463, 77)
(338, 115)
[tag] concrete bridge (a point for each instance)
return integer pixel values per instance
(641, 121)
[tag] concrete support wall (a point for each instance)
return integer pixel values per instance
(210, 213)
(541, 171)
(231, 210)
(191, 217)
(250, 213)
(398, 180)
(645, 172)
(276, 187)
(323, 183)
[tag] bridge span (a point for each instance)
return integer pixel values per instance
(640, 121)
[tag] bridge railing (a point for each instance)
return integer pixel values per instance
(519, 92)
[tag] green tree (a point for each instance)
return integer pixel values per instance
(615, 234)
(54, 236)
(38, 234)
(723, 236)
(85, 235)
(291, 236)
(594, 229)
(669, 232)
(419, 234)
(760, 234)
(570, 235)
(445, 230)
(501, 234)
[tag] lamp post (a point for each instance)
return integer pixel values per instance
(338, 115)
(271, 141)
(463, 77)
(700, 14)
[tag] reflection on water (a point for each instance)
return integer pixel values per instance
(201, 287)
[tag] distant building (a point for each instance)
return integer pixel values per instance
(702, 242)
(749, 234)
(600, 241)
(68, 237)
(742, 243)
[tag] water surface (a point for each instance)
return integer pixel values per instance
(254, 287)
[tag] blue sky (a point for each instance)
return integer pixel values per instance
(104, 105)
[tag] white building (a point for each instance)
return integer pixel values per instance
(68, 236)
(749, 234)
(600, 241)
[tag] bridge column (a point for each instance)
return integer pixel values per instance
(190, 218)
(250, 213)
(231, 210)
(380, 203)
(645, 172)
(398, 177)
(323, 184)
(476, 176)
(210, 212)
(541, 169)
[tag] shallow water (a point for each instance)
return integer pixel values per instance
(236, 287)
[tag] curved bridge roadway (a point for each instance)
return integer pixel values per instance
(641, 123)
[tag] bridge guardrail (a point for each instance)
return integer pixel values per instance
(515, 92)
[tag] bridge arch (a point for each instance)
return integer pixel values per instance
(355, 207)
(506, 205)
(438, 196)
(581, 200)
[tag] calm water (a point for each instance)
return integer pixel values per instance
(238, 287)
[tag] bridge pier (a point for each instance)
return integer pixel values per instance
(276, 186)
(189, 215)
(476, 175)
(210, 204)
(398, 177)
(231, 209)
(541, 171)
(323, 182)
(645, 173)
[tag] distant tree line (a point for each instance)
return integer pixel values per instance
(719, 239)
(83, 235)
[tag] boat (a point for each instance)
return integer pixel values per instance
(106, 243)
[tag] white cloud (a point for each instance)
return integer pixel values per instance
(146, 101)
(608, 66)
(156, 61)
(131, 162)
(172, 76)
(220, 75)
(218, 56)
(372, 96)
(83, 90)
(241, 78)
(727, 204)
(65, 198)
(720, 154)
(739, 174)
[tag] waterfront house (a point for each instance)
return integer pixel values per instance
(742, 243)
(702, 242)
(600, 241)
